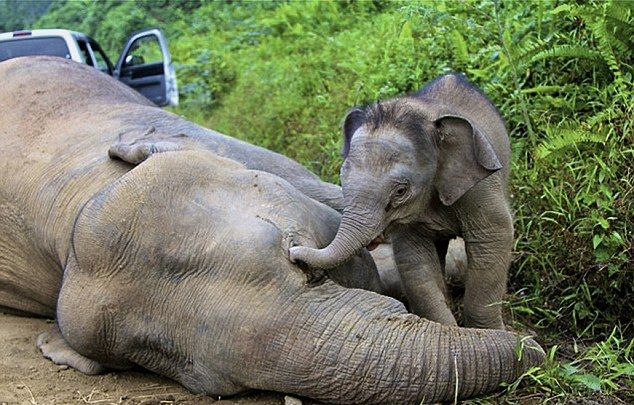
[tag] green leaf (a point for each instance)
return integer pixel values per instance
(569, 52)
(604, 223)
(562, 8)
(524, 310)
(569, 369)
(589, 380)
(617, 237)
(461, 53)
(596, 240)
(406, 31)
(543, 89)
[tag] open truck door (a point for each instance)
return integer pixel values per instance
(146, 65)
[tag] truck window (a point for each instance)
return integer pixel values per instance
(85, 53)
(103, 63)
(145, 50)
(53, 46)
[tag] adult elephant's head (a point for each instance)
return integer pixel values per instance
(401, 157)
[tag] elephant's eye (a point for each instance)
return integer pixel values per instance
(400, 190)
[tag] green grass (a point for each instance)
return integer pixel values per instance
(603, 371)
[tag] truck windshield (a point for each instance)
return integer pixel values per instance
(53, 46)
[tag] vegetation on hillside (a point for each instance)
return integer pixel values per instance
(282, 74)
(18, 14)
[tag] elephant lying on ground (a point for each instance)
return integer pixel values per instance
(180, 264)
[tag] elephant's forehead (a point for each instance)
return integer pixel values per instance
(387, 147)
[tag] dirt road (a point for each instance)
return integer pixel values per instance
(28, 378)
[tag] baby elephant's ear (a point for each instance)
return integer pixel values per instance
(354, 119)
(465, 157)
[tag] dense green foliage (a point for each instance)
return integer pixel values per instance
(282, 75)
(19, 14)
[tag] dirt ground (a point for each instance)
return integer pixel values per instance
(28, 378)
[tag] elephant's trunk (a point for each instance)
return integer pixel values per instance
(354, 233)
(357, 347)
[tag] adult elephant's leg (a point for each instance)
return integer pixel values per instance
(421, 272)
(54, 347)
(89, 320)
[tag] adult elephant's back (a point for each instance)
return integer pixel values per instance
(56, 122)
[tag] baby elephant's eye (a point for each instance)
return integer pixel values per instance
(400, 190)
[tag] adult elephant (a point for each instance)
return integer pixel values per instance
(426, 168)
(180, 264)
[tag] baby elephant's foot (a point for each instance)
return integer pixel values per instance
(54, 347)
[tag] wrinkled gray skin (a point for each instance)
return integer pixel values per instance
(180, 264)
(426, 168)
(383, 256)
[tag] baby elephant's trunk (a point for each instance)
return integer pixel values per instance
(353, 235)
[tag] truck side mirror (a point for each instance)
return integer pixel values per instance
(133, 60)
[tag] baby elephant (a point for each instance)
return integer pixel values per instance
(426, 168)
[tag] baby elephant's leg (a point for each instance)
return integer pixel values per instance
(421, 272)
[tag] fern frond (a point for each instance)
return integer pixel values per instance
(525, 52)
(612, 27)
(460, 50)
(544, 89)
(568, 51)
(602, 116)
(621, 34)
(620, 11)
(605, 45)
(622, 28)
(559, 139)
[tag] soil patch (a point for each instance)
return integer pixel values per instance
(26, 377)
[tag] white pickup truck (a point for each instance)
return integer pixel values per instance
(145, 63)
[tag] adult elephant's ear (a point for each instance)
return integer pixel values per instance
(465, 156)
(136, 146)
(354, 119)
